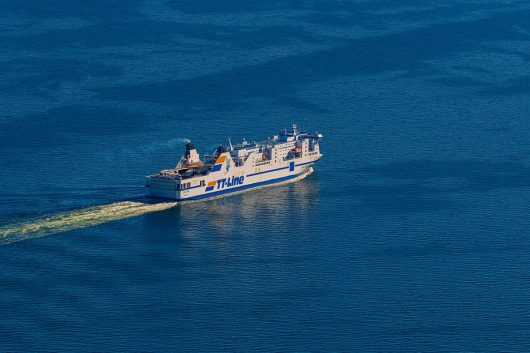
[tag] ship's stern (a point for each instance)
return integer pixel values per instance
(162, 187)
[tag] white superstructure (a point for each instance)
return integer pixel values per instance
(287, 156)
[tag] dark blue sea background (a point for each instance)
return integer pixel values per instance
(412, 235)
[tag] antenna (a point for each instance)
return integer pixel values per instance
(230, 143)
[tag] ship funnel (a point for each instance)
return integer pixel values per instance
(191, 154)
(189, 146)
(221, 149)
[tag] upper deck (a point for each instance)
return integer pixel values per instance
(286, 145)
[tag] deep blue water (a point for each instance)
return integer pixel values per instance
(413, 233)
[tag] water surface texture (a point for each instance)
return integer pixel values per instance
(413, 234)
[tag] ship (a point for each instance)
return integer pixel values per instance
(282, 158)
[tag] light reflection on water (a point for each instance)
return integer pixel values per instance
(273, 207)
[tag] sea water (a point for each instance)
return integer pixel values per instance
(412, 234)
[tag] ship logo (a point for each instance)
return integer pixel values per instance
(225, 183)
(218, 164)
(211, 185)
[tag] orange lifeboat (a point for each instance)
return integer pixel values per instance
(297, 149)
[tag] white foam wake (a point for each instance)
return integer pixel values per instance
(86, 217)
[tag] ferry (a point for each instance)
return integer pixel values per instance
(286, 157)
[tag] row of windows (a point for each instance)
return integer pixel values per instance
(262, 163)
(188, 185)
(183, 186)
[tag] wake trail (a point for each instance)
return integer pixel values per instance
(75, 219)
